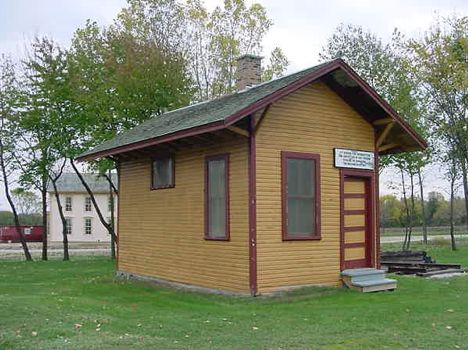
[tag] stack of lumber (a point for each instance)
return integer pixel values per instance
(416, 263)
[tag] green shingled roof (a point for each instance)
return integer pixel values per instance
(199, 114)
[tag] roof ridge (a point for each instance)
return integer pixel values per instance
(202, 113)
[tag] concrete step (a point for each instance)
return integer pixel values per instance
(367, 280)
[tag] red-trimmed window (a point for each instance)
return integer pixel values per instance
(162, 172)
(217, 197)
(301, 195)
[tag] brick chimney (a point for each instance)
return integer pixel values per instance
(249, 71)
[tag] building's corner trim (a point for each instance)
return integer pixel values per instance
(252, 209)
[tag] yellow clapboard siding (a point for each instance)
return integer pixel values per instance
(161, 232)
(355, 237)
(313, 120)
(355, 253)
(354, 204)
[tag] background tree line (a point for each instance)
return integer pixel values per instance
(392, 211)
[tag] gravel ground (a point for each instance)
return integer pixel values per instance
(14, 250)
(396, 239)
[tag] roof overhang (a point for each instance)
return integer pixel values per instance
(343, 80)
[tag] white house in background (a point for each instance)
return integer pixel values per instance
(83, 224)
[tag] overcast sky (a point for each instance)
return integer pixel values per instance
(301, 27)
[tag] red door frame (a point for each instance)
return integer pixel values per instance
(370, 213)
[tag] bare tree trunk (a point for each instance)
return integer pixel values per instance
(112, 189)
(66, 256)
(423, 207)
(408, 243)
(27, 254)
(93, 200)
(465, 190)
(452, 198)
(405, 200)
(45, 223)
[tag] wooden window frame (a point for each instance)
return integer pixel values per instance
(69, 228)
(90, 204)
(90, 226)
(285, 155)
(153, 159)
(208, 159)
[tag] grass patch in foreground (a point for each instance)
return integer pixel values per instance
(79, 305)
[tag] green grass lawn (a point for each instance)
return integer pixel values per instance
(79, 305)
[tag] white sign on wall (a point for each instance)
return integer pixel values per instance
(348, 158)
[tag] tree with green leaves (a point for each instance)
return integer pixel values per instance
(10, 96)
(26, 201)
(210, 42)
(43, 120)
(439, 60)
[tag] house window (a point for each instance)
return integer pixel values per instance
(87, 204)
(162, 173)
(68, 226)
(217, 197)
(301, 196)
(68, 203)
(88, 228)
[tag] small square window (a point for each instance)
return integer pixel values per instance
(88, 226)
(162, 171)
(68, 203)
(88, 204)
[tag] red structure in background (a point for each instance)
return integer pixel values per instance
(31, 233)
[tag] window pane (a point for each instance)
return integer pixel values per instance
(301, 196)
(300, 176)
(301, 216)
(217, 198)
(162, 172)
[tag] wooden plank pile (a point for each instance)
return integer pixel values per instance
(416, 263)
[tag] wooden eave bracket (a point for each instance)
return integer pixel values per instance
(238, 130)
(386, 147)
(383, 121)
(384, 134)
(260, 117)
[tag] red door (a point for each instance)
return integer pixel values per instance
(357, 220)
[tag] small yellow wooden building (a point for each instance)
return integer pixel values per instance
(272, 187)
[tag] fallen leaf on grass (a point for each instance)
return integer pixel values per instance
(34, 334)
(448, 327)
(450, 310)
(255, 328)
